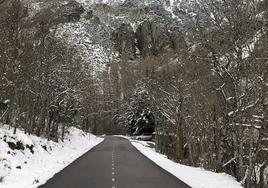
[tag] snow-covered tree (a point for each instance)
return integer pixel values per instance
(139, 116)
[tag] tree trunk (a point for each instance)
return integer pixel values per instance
(180, 138)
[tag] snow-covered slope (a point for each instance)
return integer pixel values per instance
(91, 35)
(27, 169)
(195, 177)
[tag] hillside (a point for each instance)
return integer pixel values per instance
(192, 75)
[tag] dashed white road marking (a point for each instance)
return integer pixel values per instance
(113, 173)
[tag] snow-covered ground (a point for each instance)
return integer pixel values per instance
(24, 169)
(195, 177)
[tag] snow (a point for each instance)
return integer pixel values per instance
(48, 157)
(194, 177)
(93, 50)
(251, 46)
(230, 113)
(6, 101)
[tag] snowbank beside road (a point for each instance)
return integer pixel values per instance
(38, 159)
(194, 177)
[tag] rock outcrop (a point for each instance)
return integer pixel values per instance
(141, 24)
(153, 38)
(124, 38)
(71, 11)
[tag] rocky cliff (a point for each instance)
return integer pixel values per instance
(103, 30)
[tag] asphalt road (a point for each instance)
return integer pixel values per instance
(114, 163)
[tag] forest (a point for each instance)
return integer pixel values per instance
(201, 85)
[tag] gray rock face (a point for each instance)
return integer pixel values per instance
(71, 11)
(125, 41)
(114, 26)
(153, 38)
